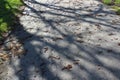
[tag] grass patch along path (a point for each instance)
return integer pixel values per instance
(8, 9)
(115, 5)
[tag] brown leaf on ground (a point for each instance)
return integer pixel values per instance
(18, 45)
(98, 26)
(16, 49)
(68, 67)
(76, 62)
(54, 57)
(19, 52)
(80, 41)
(45, 49)
(110, 34)
(4, 56)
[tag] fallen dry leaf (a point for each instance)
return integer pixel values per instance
(58, 38)
(80, 41)
(18, 45)
(16, 49)
(110, 34)
(45, 49)
(46, 31)
(54, 57)
(4, 56)
(98, 26)
(20, 51)
(68, 67)
(76, 62)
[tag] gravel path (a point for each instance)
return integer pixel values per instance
(67, 40)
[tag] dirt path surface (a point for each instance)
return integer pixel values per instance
(67, 40)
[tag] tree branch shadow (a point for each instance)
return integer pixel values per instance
(36, 62)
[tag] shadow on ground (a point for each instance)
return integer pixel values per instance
(95, 62)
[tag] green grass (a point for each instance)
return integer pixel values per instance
(111, 2)
(116, 9)
(117, 2)
(115, 5)
(107, 1)
(8, 9)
